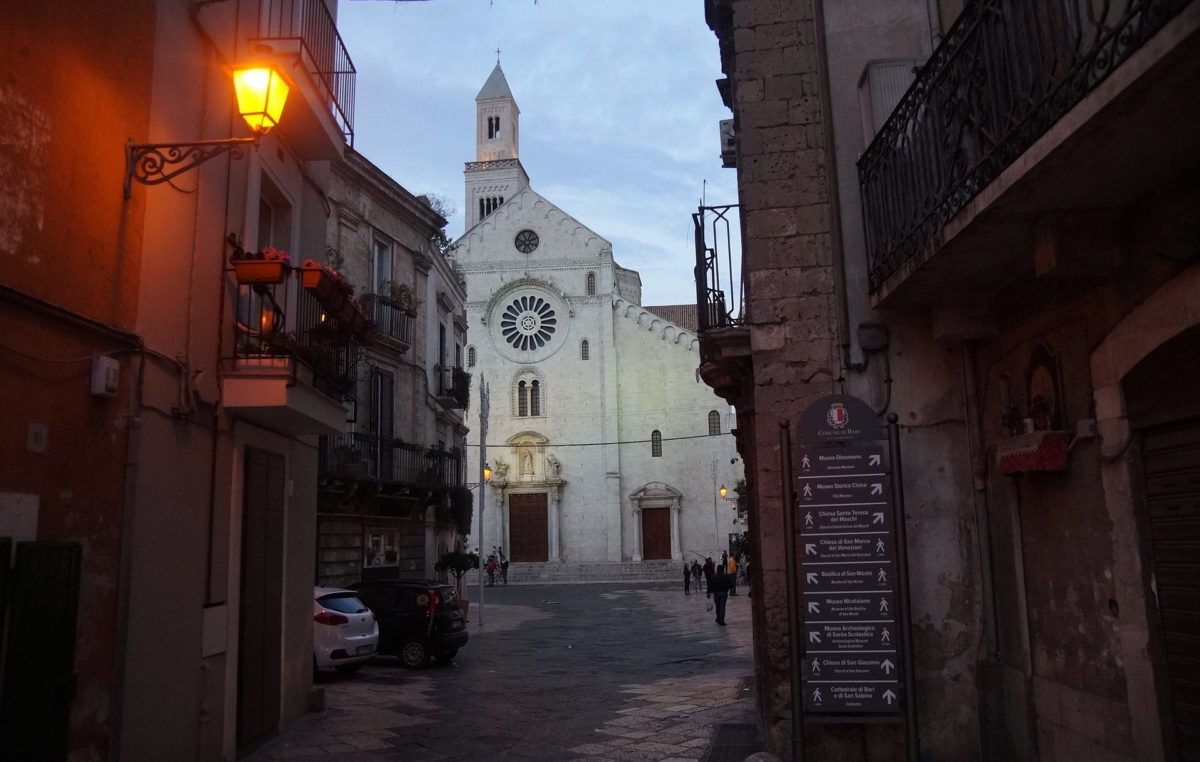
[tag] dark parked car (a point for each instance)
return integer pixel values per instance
(417, 618)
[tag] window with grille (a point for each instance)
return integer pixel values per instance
(522, 400)
(656, 444)
(591, 284)
(714, 422)
(583, 350)
(470, 357)
(535, 398)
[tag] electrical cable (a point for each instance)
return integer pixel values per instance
(630, 441)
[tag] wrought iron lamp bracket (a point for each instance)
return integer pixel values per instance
(154, 163)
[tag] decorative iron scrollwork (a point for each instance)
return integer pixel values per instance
(154, 163)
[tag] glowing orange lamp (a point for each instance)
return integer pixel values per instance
(261, 92)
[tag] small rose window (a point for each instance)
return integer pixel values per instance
(528, 323)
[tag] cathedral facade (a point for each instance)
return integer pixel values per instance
(604, 445)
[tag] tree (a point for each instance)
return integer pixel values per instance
(457, 563)
(442, 206)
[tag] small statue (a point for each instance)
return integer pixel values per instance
(553, 464)
(501, 469)
(526, 462)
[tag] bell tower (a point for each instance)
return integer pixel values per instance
(496, 175)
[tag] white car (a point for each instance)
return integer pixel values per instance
(345, 633)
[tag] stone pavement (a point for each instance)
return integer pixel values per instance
(596, 673)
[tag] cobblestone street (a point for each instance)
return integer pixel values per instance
(584, 672)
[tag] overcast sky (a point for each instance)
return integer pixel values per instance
(619, 111)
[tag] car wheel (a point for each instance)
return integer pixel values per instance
(446, 656)
(414, 653)
(347, 669)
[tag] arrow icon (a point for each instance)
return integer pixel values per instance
(883, 605)
(816, 667)
(876, 489)
(814, 607)
(810, 549)
(873, 459)
(814, 637)
(888, 696)
(808, 519)
(877, 517)
(887, 636)
(882, 576)
(810, 578)
(887, 666)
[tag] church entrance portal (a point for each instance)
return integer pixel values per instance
(656, 533)
(527, 530)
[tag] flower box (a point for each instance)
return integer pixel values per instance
(259, 270)
(316, 280)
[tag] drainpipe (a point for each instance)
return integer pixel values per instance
(987, 649)
(831, 187)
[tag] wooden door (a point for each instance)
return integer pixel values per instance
(527, 528)
(260, 631)
(1171, 459)
(656, 533)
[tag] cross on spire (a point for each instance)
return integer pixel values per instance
(497, 54)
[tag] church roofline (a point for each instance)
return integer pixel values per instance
(496, 86)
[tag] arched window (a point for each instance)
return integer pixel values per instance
(591, 284)
(656, 444)
(583, 350)
(714, 422)
(535, 398)
(529, 394)
(522, 400)
(470, 357)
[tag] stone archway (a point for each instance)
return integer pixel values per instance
(1168, 312)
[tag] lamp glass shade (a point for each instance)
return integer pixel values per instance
(724, 492)
(261, 92)
(487, 472)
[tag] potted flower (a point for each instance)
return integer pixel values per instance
(269, 265)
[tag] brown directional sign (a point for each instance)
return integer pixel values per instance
(848, 581)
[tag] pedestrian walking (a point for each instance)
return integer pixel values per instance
(731, 568)
(696, 573)
(687, 579)
(709, 569)
(718, 590)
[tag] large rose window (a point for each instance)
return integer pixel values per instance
(528, 323)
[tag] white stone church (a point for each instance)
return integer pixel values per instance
(605, 446)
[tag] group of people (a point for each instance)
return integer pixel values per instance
(720, 581)
(496, 561)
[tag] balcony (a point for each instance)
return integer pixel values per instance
(454, 388)
(1027, 108)
(362, 456)
(393, 324)
(720, 300)
(292, 365)
(304, 34)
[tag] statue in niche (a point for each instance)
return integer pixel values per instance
(526, 462)
(552, 466)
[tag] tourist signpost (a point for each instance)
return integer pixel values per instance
(852, 587)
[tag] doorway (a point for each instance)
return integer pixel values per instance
(527, 528)
(656, 534)
(260, 634)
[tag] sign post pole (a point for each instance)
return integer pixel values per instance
(796, 660)
(910, 714)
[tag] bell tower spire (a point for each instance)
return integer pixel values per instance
(496, 174)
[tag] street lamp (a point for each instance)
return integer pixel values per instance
(723, 492)
(261, 92)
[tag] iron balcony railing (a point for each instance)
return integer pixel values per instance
(719, 289)
(278, 323)
(310, 24)
(1005, 73)
(454, 385)
(391, 321)
(358, 455)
